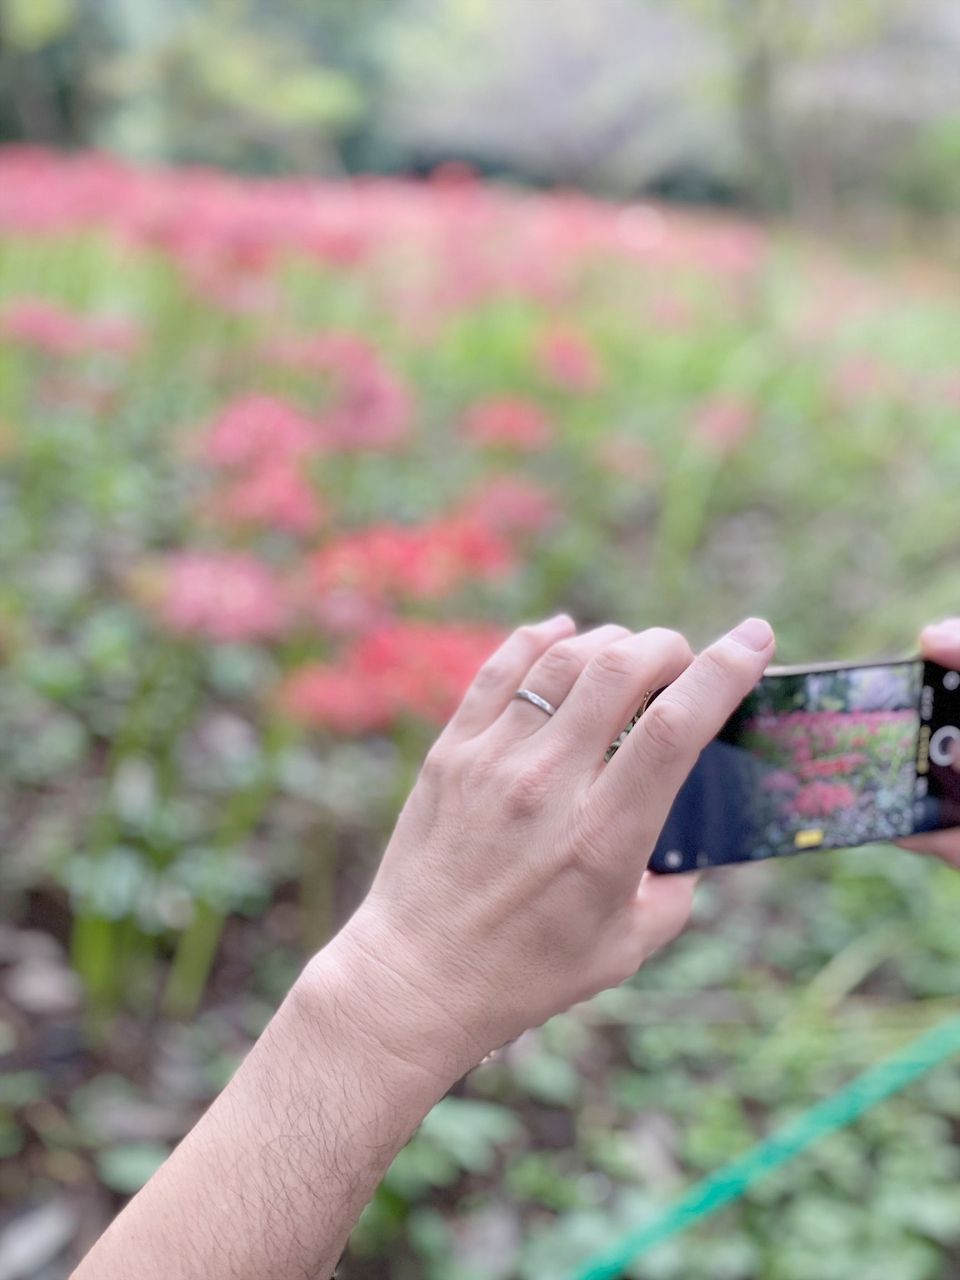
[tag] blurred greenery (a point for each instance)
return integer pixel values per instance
(771, 104)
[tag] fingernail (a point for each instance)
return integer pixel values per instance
(945, 632)
(558, 620)
(753, 633)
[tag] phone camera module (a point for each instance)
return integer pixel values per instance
(944, 744)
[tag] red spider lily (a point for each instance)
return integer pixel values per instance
(461, 242)
(422, 562)
(334, 351)
(569, 359)
(672, 314)
(219, 595)
(413, 668)
(509, 421)
(779, 780)
(820, 799)
(625, 456)
(56, 330)
(864, 378)
(373, 407)
(256, 429)
(337, 698)
(275, 495)
(512, 506)
(722, 423)
(59, 388)
(832, 765)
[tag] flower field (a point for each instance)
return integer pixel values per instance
(848, 774)
(280, 461)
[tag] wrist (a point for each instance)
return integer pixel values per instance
(363, 986)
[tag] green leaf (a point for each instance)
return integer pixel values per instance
(30, 25)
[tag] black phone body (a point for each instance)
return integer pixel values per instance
(823, 757)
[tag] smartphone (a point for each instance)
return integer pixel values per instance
(822, 757)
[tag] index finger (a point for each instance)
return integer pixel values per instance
(638, 786)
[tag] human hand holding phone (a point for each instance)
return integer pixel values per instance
(828, 756)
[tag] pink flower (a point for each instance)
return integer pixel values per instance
(372, 407)
(255, 429)
(274, 496)
(510, 421)
(862, 378)
(567, 357)
(722, 423)
(223, 596)
(626, 456)
(512, 506)
(47, 326)
(779, 780)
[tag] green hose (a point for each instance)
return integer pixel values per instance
(735, 1179)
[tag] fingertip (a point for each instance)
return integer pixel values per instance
(559, 622)
(940, 637)
(755, 634)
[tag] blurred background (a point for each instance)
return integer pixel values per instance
(338, 338)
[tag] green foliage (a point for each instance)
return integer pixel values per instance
(31, 24)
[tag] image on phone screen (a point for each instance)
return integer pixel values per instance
(822, 759)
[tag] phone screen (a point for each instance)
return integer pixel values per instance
(822, 758)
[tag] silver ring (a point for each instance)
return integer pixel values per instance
(537, 701)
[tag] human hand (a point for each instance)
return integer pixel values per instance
(939, 643)
(515, 881)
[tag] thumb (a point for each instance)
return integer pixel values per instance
(662, 909)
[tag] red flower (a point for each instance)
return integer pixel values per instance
(47, 326)
(566, 357)
(820, 799)
(425, 561)
(223, 596)
(512, 506)
(337, 698)
(413, 668)
(723, 422)
(373, 407)
(254, 429)
(274, 496)
(626, 457)
(508, 420)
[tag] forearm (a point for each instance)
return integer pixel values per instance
(269, 1183)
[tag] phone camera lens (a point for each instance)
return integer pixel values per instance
(951, 681)
(944, 743)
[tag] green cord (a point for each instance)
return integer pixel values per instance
(732, 1181)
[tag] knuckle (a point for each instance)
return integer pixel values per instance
(668, 725)
(482, 767)
(526, 792)
(435, 763)
(491, 675)
(560, 659)
(591, 850)
(616, 662)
